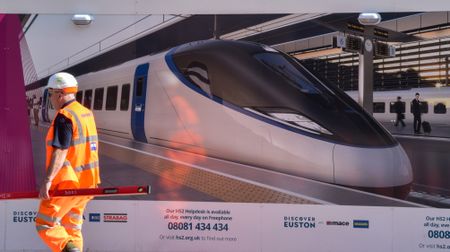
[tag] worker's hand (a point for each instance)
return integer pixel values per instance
(45, 187)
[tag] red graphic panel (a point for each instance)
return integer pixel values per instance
(16, 160)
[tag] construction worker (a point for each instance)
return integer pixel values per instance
(72, 162)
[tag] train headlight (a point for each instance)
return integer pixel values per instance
(301, 122)
(292, 119)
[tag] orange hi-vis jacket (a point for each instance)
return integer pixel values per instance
(81, 165)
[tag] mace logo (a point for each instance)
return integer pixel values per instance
(94, 217)
(337, 223)
(360, 224)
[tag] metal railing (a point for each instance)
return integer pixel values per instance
(112, 41)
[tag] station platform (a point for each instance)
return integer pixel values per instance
(441, 131)
(181, 176)
(429, 156)
(170, 180)
(117, 173)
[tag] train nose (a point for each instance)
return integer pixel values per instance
(373, 168)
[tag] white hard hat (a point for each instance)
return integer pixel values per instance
(63, 81)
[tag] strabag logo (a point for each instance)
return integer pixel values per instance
(338, 223)
(360, 224)
(299, 222)
(115, 217)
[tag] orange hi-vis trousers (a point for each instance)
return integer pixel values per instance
(59, 220)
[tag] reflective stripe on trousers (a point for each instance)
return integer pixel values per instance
(60, 219)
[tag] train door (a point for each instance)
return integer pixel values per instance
(138, 103)
(45, 106)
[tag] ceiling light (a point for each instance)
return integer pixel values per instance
(82, 19)
(369, 18)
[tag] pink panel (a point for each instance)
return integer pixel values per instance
(16, 160)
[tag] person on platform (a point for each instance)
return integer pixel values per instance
(72, 162)
(29, 107)
(399, 111)
(415, 109)
(36, 107)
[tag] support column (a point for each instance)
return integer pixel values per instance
(365, 77)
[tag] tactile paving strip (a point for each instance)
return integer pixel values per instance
(216, 185)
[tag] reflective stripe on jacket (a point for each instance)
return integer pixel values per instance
(81, 165)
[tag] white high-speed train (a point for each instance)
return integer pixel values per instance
(435, 104)
(248, 103)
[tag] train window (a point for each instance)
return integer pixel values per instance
(279, 65)
(392, 107)
(111, 98)
(98, 99)
(79, 96)
(50, 105)
(197, 73)
(378, 107)
(88, 98)
(125, 97)
(440, 108)
(139, 86)
(423, 107)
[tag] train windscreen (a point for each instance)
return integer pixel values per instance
(272, 85)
